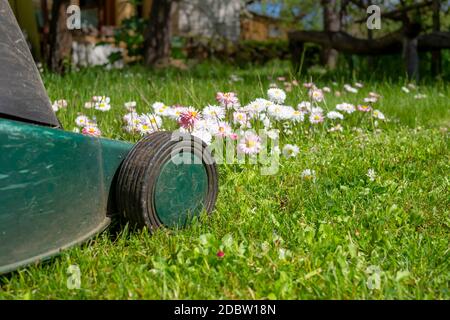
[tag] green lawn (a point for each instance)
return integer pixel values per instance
(341, 236)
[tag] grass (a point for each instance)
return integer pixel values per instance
(340, 237)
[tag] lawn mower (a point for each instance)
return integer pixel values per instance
(58, 188)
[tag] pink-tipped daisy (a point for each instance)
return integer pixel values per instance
(250, 143)
(228, 99)
(364, 108)
(188, 118)
(91, 131)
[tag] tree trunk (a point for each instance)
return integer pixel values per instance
(332, 23)
(60, 37)
(411, 56)
(436, 56)
(157, 46)
(411, 50)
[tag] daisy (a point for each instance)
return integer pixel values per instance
(89, 105)
(152, 120)
(290, 151)
(345, 107)
(131, 118)
(304, 106)
(377, 114)
(92, 131)
(336, 128)
(102, 104)
(250, 143)
(359, 85)
(316, 95)
(298, 116)
(316, 118)
(276, 95)
(176, 111)
(370, 100)
(81, 121)
(188, 118)
(214, 112)
(239, 118)
(59, 104)
(420, 96)
(406, 90)
(228, 99)
(364, 108)
(130, 106)
(309, 175)
(326, 89)
(279, 112)
(335, 115)
(371, 174)
(258, 106)
(350, 89)
(223, 129)
(160, 108)
(145, 128)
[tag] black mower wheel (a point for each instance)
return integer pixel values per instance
(166, 180)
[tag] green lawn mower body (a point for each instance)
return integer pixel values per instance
(59, 188)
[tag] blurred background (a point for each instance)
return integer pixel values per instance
(411, 38)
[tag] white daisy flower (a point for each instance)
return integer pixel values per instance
(345, 107)
(304, 106)
(290, 151)
(406, 90)
(130, 105)
(420, 96)
(145, 128)
(316, 118)
(276, 95)
(153, 120)
(309, 175)
(257, 106)
(350, 89)
(298, 116)
(102, 104)
(160, 108)
(214, 112)
(131, 118)
(316, 95)
(371, 174)
(335, 115)
(250, 143)
(240, 118)
(336, 128)
(82, 121)
(279, 112)
(370, 100)
(377, 114)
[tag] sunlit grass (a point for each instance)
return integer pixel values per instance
(283, 237)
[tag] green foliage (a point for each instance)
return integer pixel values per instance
(131, 33)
